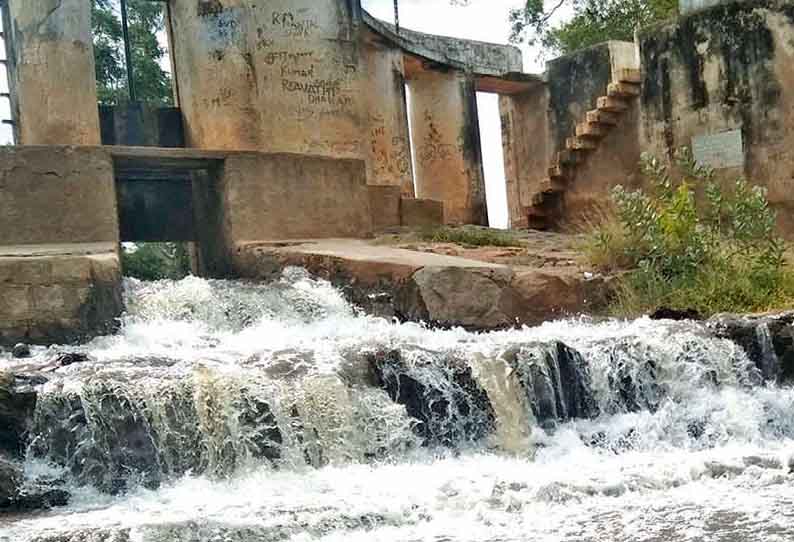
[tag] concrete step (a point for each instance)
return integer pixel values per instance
(559, 171)
(602, 117)
(612, 104)
(570, 157)
(552, 186)
(538, 199)
(623, 90)
(580, 144)
(591, 130)
(628, 75)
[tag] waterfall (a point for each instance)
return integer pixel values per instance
(241, 411)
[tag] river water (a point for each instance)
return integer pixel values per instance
(233, 412)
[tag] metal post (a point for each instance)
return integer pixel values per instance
(128, 51)
(397, 15)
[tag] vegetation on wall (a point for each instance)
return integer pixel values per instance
(715, 253)
(146, 20)
(155, 261)
(593, 22)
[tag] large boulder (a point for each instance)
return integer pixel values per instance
(470, 297)
(768, 340)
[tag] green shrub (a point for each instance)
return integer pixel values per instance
(470, 236)
(155, 261)
(721, 254)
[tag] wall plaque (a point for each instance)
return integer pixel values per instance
(719, 151)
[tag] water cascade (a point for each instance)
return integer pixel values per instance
(229, 411)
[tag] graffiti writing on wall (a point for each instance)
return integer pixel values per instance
(434, 149)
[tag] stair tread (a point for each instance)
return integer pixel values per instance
(629, 75)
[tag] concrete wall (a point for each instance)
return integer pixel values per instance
(528, 147)
(58, 298)
(446, 139)
(270, 75)
(270, 197)
(537, 123)
(53, 74)
(51, 195)
(388, 147)
(726, 68)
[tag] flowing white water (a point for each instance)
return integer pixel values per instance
(227, 411)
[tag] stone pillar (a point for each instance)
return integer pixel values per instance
(54, 75)
(388, 147)
(270, 75)
(446, 138)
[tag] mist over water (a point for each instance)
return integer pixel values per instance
(230, 411)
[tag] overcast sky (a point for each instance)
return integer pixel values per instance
(484, 20)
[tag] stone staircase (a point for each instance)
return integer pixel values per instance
(544, 211)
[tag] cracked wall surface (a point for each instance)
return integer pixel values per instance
(722, 69)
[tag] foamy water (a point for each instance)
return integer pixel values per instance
(228, 411)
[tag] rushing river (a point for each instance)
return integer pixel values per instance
(233, 412)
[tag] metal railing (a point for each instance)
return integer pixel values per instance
(8, 123)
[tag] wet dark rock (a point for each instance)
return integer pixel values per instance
(18, 495)
(437, 390)
(556, 379)
(261, 424)
(20, 351)
(70, 358)
(17, 406)
(666, 313)
(768, 341)
(10, 482)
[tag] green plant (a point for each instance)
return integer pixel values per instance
(470, 236)
(155, 261)
(714, 253)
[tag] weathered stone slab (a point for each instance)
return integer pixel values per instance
(719, 151)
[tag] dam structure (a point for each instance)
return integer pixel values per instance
(291, 122)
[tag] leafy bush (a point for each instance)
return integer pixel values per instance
(721, 254)
(470, 236)
(156, 261)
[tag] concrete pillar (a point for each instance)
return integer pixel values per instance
(446, 139)
(528, 149)
(270, 75)
(388, 147)
(54, 74)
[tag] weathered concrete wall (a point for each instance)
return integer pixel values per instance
(726, 68)
(156, 210)
(421, 213)
(536, 125)
(388, 147)
(269, 197)
(446, 139)
(270, 75)
(54, 78)
(140, 125)
(58, 298)
(51, 195)
(384, 203)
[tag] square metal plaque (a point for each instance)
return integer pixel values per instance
(720, 151)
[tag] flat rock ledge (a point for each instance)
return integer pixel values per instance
(445, 291)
